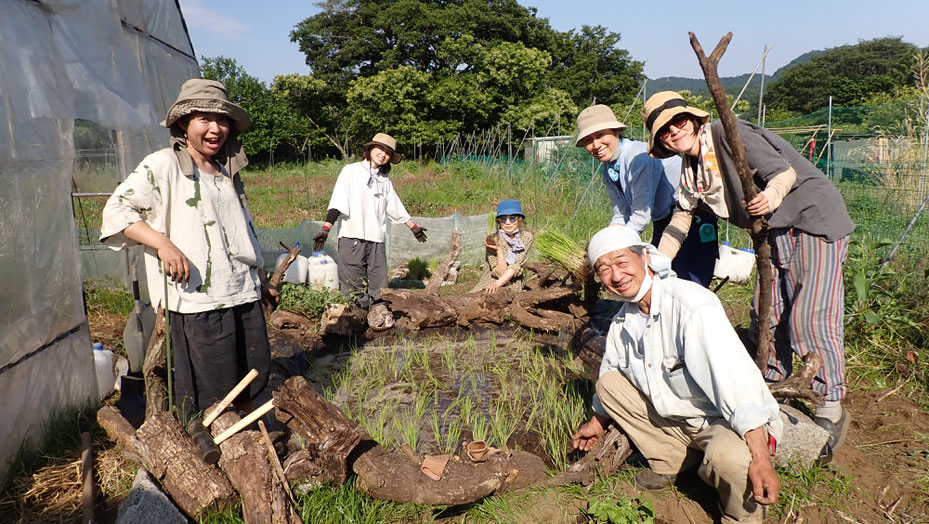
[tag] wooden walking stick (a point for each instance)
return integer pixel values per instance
(759, 225)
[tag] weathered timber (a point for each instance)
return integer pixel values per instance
(604, 459)
(164, 449)
(435, 282)
(245, 461)
(322, 426)
(418, 310)
(588, 345)
(154, 369)
(270, 303)
(759, 225)
(798, 385)
(393, 476)
(342, 319)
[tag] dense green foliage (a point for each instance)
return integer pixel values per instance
(850, 74)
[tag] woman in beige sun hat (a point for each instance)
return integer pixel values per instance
(641, 189)
(810, 228)
(362, 201)
(186, 205)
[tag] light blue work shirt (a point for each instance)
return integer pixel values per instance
(641, 188)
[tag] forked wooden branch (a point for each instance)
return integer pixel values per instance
(278, 275)
(759, 226)
(798, 385)
(432, 288)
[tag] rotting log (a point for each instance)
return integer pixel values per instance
(604, 459)
(154, 369)
(278, 276)
(418, 310)
(164, 450)
(335, 446)
(759, 225)
(245, 461)
(321, 424)
(435, 282)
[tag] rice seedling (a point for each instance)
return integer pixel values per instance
(479, 427)
(452, 436)
(407, 425)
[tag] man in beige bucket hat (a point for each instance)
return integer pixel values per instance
(186, 205)
(641, 189)
(362, 201)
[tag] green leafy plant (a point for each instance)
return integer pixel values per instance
(623, 511)
(307, 301)
(419, 269)
(564, 250)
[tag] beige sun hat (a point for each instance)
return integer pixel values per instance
(386, 141)
(206, 96)
(596, 118)
(660, 109)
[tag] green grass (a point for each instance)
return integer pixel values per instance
(820, 486)
(108, 297)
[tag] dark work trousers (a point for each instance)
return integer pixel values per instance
(362, 270)
(697, 257)
(213, 350)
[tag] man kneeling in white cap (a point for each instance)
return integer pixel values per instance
(678, 381)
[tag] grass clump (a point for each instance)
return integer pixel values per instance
(308, 301)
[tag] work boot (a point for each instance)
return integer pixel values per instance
(836, 431)
(649, 480)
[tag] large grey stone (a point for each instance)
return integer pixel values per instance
(801, 441)
(147, 503)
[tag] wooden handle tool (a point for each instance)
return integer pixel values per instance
(230, 397)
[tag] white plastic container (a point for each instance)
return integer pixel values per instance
(296, 273)
(103, 364)
(737, 264)
(323, 272)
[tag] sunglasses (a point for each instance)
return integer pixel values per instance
(508, 218)
(679, 121)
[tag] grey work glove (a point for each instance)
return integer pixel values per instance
(320, 239)
(420, 233)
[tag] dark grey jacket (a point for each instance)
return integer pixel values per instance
(813, 204)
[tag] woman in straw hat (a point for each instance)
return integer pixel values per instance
(809, 223)
(641, 189)
(186, 205)
(362, 200)
(507, 250)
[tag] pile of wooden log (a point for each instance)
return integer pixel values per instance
(332, 447)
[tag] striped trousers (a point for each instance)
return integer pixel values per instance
(809, 306)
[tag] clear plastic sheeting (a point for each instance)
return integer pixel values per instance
(118, 65)
(401, 244)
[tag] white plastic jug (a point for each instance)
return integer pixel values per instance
(323, 271)
(103, 364)
(737, 264)
(296, 273)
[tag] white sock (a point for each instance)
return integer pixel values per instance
(831, 410)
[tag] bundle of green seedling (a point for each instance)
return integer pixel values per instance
(563, 250)
(434, 393)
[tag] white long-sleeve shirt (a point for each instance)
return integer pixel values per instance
(204, 216)
(365, 198)
(686, 358)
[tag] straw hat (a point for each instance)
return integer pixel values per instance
(206, 96)
(596, 118)
(386, 141)
(660, 109)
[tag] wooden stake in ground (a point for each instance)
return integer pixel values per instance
(435, 282)
(759, 226)
(87, 478)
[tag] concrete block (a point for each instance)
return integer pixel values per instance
(147, 503)
(801, 441)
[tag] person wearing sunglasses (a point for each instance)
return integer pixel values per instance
(641, 190)
(507, 250)
(810, 228)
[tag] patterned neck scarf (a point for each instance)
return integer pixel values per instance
(701, 179)
(376, 179)
(515, 245)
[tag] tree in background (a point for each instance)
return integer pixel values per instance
(425, 70)
(276, 125)
(850, 74)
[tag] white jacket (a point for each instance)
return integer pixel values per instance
(691, 364)
(365, 199)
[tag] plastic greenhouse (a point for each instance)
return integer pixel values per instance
(85, 84)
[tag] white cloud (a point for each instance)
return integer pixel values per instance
(205, 19)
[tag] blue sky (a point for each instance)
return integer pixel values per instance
(256, 33)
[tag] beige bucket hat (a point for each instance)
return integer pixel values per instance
(386, 141)
(206, 96)
(660, 109)
(596, 118)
